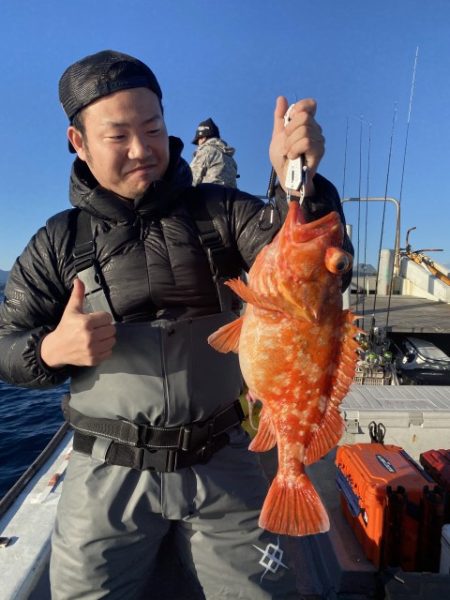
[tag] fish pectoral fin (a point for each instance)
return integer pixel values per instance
(297, 306)
(226, 338)
(248, 295)
(293, 508)
(265, 438)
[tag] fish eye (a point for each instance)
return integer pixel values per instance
(338, 261)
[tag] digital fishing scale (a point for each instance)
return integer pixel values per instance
(297, 170)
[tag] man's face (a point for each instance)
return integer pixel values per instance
(125, 143)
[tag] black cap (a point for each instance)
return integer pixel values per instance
(206, 129)
(99, 75)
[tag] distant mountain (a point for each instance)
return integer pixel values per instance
(364, 269)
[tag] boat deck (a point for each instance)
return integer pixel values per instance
(407, 314)
(330, 565)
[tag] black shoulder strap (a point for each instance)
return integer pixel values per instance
(222, 259)
(86, 266)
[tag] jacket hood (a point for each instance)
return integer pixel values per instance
(87, 194)
(220, 144)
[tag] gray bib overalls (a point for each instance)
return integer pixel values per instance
(112, 519)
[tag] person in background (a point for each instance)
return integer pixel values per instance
(118, 294)
(213, 162)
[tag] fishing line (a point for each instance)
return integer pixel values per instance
(345, 160)
(408, 121)
(394, 118)
(366, 223)
(359, 213)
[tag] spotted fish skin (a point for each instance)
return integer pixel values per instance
(297, 354)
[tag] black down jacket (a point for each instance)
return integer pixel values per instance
(149, 252)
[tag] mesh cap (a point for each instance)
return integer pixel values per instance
(101, 74)
(206, 129)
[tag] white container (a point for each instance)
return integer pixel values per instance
(444, 567)
(414, 417)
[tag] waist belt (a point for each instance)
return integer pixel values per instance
(162, 449)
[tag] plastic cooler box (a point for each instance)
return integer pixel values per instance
(437, 464)
(382, 489)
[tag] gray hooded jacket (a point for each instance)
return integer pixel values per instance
(213, 162)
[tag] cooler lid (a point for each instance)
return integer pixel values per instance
(399, 405)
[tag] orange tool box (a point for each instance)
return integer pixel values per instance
(382, 490)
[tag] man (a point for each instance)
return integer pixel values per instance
(157, 439)
(213, 162)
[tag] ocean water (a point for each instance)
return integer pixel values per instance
(28, 420)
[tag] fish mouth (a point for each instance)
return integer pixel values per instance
(329, 225)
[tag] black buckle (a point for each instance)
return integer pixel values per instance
(142, 434)
(206, 451)
(195, 436)
(163, 461)
(82, 250)
(171, 461)
(212, 240)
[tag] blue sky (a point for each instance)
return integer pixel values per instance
(228, 60)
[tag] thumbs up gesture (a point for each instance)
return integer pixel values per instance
(301, 136)
(79, 339)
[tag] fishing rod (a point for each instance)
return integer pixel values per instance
(394, 118)
(345, 160)
(366, 223)
(358, 228)
(358, 199)
(408, 122)
(366, 217)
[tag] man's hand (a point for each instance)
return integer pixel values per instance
(79, 339)
(303, 135)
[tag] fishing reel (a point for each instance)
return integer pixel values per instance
(376, 363)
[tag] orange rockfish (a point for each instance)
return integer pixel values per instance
(297, 354)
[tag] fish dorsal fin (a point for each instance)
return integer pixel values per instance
(265, 437)
(331, 427)
(226, 338)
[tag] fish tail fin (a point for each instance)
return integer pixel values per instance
(226, 338)
(265, 437)
(293, 509)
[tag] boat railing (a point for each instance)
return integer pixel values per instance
(17, 488)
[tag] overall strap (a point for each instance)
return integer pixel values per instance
(86, 266)
(219, 255)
